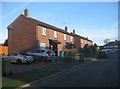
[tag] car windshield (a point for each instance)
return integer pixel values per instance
(23, 54)
(42, 51)
(102, 52)
(13, 54)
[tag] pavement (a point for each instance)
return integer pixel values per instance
(100, 73)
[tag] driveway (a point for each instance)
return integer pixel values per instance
(100, 73)
(16, 68)
(20, 71)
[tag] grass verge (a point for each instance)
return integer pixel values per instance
(91, 58)
(12, 84)
(59, 59)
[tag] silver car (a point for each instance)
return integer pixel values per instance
(20, 58)
(42, 53)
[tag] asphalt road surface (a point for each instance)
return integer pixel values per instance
(100, 73)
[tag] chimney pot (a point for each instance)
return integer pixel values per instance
(26, 12)
(66, 29)
(73, 31)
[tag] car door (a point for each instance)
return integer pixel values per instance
(43, 53)
(34, 53)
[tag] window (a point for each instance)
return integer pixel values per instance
(42, 45)
(116, 46)
(13, 54)
(35, 51)
(41, 51)
(64, 36)
(105, 47)
(55, 34)
(81, 40)
(85, 41)
(111, 46)
(71, 38)
(44, 31)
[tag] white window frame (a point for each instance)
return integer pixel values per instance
(116, 46)
(44, 31)
(85, 41)
(71, 38)
(41, 45)
(55, 34)
(105, 47)
(81, 40)
(64, 36)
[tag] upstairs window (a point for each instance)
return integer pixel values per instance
(85, 41)
(44, 31)
(55, 34)
(71, 38)
(81, 40)
(64, 36)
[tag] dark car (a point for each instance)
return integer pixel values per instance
(102, 55)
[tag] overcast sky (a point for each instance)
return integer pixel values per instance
(95, 20)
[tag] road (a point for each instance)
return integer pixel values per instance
(100, 73)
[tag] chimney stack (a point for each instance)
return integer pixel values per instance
(73, 31)
(26, 12)
(66, 29)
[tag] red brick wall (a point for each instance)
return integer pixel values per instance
(22, 37)
(77, 42)
(26, 36)
(82, 43)
(50, 34)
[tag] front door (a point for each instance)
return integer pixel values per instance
(54, 47)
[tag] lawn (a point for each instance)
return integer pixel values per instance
(12, 84)
(91, 58)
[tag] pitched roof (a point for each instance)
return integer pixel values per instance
(112, 43)
(82, 37)
(47, 25)
(52, 27)
(55, 28)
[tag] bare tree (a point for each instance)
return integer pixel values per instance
(106, 41)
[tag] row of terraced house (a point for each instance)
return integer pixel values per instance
(26, 34)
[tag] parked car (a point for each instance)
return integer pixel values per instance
(42, 54)
(20, 58)
(102, 55)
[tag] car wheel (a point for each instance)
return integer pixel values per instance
(19, 61)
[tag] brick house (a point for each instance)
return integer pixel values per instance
(26, 34)
(80, 41)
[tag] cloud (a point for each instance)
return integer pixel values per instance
(100, 34)
(17, 9)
